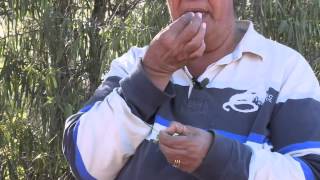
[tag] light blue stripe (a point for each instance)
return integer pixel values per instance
(84, 174)
(257, 138)
(82, 171)
(299, 146)
(254, 137)
(233, 136)
(162, 121)
(306, 169)
(87, 108)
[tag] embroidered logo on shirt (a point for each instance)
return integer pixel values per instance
(247, 102)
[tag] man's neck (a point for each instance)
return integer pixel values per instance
(199, 65)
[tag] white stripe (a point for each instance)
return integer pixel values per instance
(238, 75)
(304, 152)
(301, 83)
(153, 136)
(266, 165)
(124, 65)
(108, 135)
(257, 146)
(292, 76)
(295, 96)
(180, 78)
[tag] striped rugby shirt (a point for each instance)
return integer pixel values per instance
(262, 101)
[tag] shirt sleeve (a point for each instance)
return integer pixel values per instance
(99, 139)
(295, 129)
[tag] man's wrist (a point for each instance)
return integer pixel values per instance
(160, 80)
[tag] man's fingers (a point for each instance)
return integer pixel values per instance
(179, 142)
(168, 36)
(175, 127)
(197, 41)
(191, 29)
(178, 25)
(172, 152)
(173, 155)
(199, 52)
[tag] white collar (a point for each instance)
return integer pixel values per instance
(252, 42)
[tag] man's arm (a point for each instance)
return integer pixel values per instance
(100, 138)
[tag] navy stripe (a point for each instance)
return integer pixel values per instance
(296, 121)
(300, 146)
(107, 86)
(308, 174)
(84, 174)
(142, 96)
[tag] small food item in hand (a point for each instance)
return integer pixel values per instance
(175, 134)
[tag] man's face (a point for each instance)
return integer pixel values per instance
(218, 14)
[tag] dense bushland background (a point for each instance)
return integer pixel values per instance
(53, 54)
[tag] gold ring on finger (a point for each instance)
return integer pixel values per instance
(176, 163)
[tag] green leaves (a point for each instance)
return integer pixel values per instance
(293, 22)
(54, 52)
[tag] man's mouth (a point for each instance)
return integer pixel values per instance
(202, 11)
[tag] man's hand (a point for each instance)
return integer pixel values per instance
(187, 150)
(175, 46)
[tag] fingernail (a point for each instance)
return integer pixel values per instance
(199, 14)
(204, 25)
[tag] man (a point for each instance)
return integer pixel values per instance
(238, 106)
